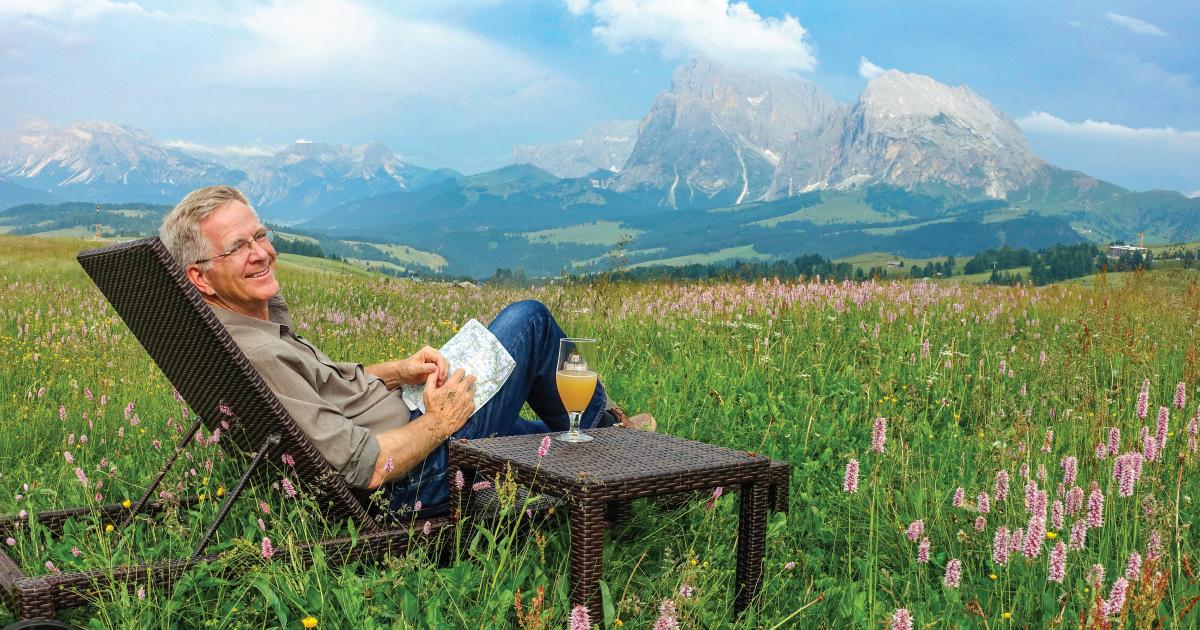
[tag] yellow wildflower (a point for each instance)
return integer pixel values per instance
(126, 504)
(618, 623)
(108, 528)
(1051, 535)
(992, 576)
(221, 491)
(309, 622)
(1006, 615)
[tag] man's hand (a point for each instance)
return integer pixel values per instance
(447, 407)
(415, 369)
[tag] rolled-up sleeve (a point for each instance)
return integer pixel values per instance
(349, 448)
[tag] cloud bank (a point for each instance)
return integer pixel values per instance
(868, 70)
(1042, 122)
(727, 33)
(1132, 24)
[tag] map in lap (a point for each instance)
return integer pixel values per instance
(476, 350)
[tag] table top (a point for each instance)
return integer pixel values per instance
(619, 462)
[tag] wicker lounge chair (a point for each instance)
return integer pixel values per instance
(179, 331)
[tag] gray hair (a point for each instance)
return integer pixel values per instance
(180, 230)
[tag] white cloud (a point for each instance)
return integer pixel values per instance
(56, 10)
(728, 33)
(346, 44)
(1042, 122)
(221, 151)
(868, 70)
(1194, 194)
(1141, 27)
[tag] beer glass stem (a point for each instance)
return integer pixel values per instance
(574, 416)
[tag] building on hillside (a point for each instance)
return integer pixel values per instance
(1117, 251)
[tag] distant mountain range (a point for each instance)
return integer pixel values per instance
(727, 164)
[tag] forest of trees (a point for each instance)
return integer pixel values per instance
(934, 269)
(999, 260)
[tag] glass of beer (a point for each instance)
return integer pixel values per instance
(576, 379)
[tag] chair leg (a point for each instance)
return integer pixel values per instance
(137, 507)
(271, 441)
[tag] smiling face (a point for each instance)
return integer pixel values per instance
(242, 282)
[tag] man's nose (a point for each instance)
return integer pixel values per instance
(261, 250)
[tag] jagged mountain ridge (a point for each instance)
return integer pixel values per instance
(720, 136)
(109, 162)
(603, 146)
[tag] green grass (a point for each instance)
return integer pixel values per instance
(847, 207)
(969, 380)
(744, 252)
(404, 253)
(595, 233)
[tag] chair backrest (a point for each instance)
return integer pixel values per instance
(178, 329)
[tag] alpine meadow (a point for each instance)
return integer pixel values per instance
(968, 456)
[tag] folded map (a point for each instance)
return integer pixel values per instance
(476, 350)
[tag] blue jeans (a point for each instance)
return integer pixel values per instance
(530, 334)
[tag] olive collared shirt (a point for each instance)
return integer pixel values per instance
(339, 406)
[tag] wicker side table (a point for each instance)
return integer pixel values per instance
(620, 465)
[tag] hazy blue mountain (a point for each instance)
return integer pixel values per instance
(14, 195)
(102, 162)
(603, 146)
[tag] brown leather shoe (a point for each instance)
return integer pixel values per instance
(642, 421)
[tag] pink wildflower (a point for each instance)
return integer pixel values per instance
(1058, 563)
(1114, 440)
(69, 457)
(924, 348)
(128, 410)
(1095, 507)
(51, 568)
(261, 525)
(263, 507)
(267, 551)
(225, 410)
(10, 541)
(1095, 577)
(1070, 467)
(980, 523)
(1001, 485)
(1116, 598)
(1042, 358)
(1143, 400)
(288, 487)
(685, 590)
(1056, 514)
(81, 476)
(290, 461)
(141, 592)
(850, 480)
(953, 573)
(902, 619)
(1074, 499)
(1193, 430)
(458, 479)
(1133, 569)
(62, 413)
(1025, 465)
(1016, 540)
(1048, 440)
(1078, 535)
(791, 564)
(1126, 471)
(544, 448)
(960, 495)
(75, 551)
(389, 465)
(1180, 395)
(427, 528)
(580, 619)
(983, 503)
(1154, 547)
(716, 494)
(915, 530)
(481, 485)
(87, 393)
(923, 551)
(1000, 546)
(666, 616)
(879, 435)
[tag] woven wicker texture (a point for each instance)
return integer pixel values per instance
(179, 331)
(620, 465)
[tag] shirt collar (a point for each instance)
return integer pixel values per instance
(278, 324)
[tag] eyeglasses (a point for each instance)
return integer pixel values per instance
(262, 237)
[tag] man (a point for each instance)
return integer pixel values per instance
(354, 415)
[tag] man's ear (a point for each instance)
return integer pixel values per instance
(196, 276)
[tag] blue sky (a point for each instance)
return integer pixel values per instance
(1109, 88)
